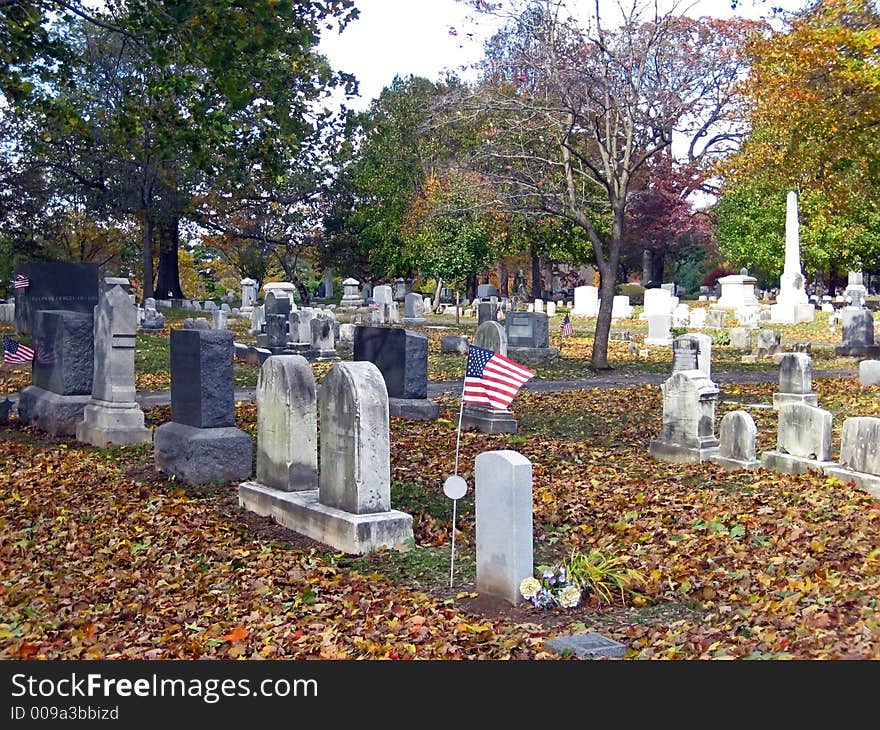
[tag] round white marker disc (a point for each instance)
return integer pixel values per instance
(455, 487)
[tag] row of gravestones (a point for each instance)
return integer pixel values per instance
(803, 432)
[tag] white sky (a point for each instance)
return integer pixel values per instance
(403, 37)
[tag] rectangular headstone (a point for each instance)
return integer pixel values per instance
(527, 329)
(400, 355)
(55, 286)
(202, 378)
(860, 444)
(503, 508)
(63, 351)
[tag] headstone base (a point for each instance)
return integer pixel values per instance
(301, 512)
(792, 314)
(734, 464)
(809, 399)
(201, 455)
(55, 414)
(661, 341)
(148, 328)
(113, 423)
(299, 348)
(413, 409)
(789, 464)
(677, 453)
(863, 480)
(322, 355)
(870, 351)
(414, 321)
(587, 646)
(485, 420)
(532, 354)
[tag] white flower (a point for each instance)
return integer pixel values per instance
(529, 588)
(569, 597)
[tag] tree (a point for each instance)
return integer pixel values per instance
(573, 113)
(200, 93)
(815, 116)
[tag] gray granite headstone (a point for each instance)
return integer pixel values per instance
(71, 287)
(736, 441)
(64, 356)
(527, 329)
(587, 646)
(400, 355)
(276, 301)
(202, 378)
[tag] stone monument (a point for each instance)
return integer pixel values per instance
(792, 304)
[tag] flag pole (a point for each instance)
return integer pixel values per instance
(458, 432)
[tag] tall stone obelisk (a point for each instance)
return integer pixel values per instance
(792, 305)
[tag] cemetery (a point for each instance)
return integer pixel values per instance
(507, 384)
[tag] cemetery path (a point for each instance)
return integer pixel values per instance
(606, 380)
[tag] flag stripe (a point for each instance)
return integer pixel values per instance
(492, 379)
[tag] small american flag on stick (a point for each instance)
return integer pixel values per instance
(565, 328)
(20, 281)
(492, 379)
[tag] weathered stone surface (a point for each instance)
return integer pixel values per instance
(485, 420)
(527, 330)
(795, 380)
(454, 344)
(804, 431)
(869, 372)
(688, 434)
(736, 442)
(503, 513)
(287, 436)
(203, 455)
(64, 358)
(490, 335)
(202, 378)
(859, 461)
(355, 439)
(106, 423)
(55, 414)
(587, 646)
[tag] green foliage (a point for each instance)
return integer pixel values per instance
(720, 337)
(604, 575)
(688, 276)
(678, 331)
(635, 292)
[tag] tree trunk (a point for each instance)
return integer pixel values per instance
(536, 276)
(504, 280)
(147, 255)
(471, 287)
(435, 305)
(168, 284)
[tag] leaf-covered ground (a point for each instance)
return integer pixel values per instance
(100, 557)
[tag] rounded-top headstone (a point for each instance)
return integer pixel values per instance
(491, 336)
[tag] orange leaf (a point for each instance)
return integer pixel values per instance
(27, 650)
(239, 633)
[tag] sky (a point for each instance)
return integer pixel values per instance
(427, 37)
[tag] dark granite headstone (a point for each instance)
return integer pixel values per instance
(276, 331)
(527, 329)
(64, 351)
(487, 312)
(399, 289)
(484, 291)
(202, 379)
(55, 286)
(400, 355)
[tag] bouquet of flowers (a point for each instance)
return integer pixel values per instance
(552, 589)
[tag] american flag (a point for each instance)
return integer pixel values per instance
(20, 281)
(565, 328)
(14, 352)
(44, 356)
(491, 379)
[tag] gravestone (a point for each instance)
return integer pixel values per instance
(277, 301)
(586, 301)
(487, 312)
(621, 308)
(792, 304)
(351, 508)
(858, 334)
(715, 318)
(258, 320)
(346, 336)
(684, 354)
(276, 333)
(688, 435)
(248, 294)
(736, 442)
(491, 336)
(219, 319)
(399, 289)
(322, 339)
(741, 337)
(701, 346)
(54, 286)
(869, 372)
(287, 436)
(856, 294)
(351, 296)
(201, 443)
(795, 380)
(803, 440)
(503, 517)
(659, 330)
(769, 343)
(112, 416)
(528, 337)
(658, 302)
(61, 372)
(401, 357)
(484, 291)
(382, 294)
(859, 460)
(738, 296)
(697, 317)
(414, 310)
(454, 344)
